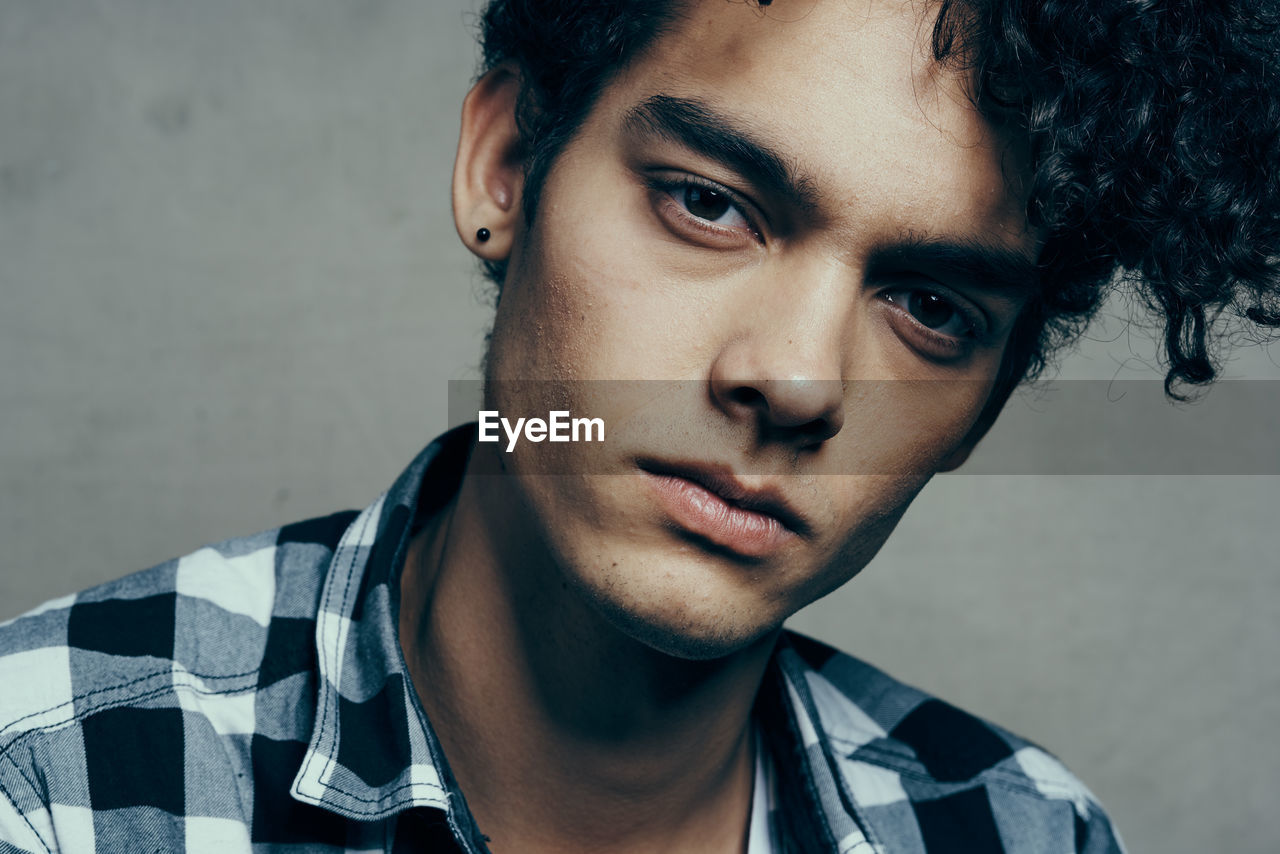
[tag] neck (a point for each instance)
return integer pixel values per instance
(563, 732)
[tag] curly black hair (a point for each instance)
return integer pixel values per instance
(1154, 130)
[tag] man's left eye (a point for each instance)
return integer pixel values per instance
(934, 311)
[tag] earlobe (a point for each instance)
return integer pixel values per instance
(489, 171)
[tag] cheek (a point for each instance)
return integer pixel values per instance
(540, 331)
(558, 310)
(864, 510)
(904, 428)
(895, 438)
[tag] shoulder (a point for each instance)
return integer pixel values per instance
(147, 668)
(915, 764)
(207, 615)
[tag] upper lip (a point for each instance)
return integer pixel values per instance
(722, 481)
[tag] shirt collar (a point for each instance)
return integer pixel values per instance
(372, 752)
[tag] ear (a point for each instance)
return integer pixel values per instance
(488, 174)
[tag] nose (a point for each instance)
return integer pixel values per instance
(797, 411)
(785, 374)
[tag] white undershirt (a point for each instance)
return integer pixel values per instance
(760, 830)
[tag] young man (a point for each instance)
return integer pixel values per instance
(840, 234)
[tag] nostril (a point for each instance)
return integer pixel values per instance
(818, 428)
(797, 411)
(810, 434)
(746, 396)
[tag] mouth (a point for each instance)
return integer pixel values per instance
(715, 506)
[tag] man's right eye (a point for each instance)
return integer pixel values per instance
(708, 204)
(703, 209)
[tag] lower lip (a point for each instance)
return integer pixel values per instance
(702, 512)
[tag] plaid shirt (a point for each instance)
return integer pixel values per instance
(253, 696)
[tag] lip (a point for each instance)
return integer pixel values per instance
(713, 504)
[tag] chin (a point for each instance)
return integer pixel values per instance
(692, 627)
(686, 641)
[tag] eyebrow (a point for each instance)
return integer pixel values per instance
(988, 267)
(697, 126)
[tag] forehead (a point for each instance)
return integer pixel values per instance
(848, 93)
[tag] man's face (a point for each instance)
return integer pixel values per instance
(801, 221)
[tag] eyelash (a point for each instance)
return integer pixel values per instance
(940, 345)
(671, 189)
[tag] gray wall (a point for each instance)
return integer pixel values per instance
(232, 298)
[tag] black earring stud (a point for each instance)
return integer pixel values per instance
(482, 234)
